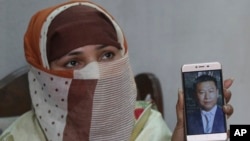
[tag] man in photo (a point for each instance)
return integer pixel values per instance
(209, 118)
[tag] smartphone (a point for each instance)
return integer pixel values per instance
(203, 100)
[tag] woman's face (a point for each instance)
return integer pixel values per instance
(80, 57)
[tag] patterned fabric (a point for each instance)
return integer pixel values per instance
(27, 128)
(93, 103)
(35, 38)
(81, 109)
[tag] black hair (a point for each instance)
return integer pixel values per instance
(204, 78)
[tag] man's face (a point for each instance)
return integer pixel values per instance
(207, 95)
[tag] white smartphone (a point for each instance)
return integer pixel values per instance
(204, 99)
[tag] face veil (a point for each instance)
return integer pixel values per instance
(93, 103)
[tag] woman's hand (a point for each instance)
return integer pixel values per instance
(178, 134)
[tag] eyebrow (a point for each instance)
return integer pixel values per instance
(73, 53)
(103, 46)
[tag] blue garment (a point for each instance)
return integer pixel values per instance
(195, 126)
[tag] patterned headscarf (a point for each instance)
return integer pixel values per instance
(93, 103)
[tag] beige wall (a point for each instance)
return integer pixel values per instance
(162, 35)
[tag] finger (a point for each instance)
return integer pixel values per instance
(228, 110)
(227, 95)
(180, 108)
(228, 83)
(228, 134)
(178, 133)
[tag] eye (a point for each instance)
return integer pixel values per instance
(201, 92)
(211, 90)
(71, 64)
(107, 56)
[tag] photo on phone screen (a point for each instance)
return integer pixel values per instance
(203, 94)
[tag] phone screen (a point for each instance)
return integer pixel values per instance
(203, 94)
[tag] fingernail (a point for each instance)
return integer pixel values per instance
(232, 79)
(179, 90)
(226, 107)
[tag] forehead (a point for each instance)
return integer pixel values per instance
(206, 84)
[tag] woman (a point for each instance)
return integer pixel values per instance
(81, 84)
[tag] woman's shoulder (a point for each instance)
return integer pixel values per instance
(146, 119)
(24, 128)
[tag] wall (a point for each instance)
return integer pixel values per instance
(162, 35)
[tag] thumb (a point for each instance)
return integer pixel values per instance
(180, 109)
